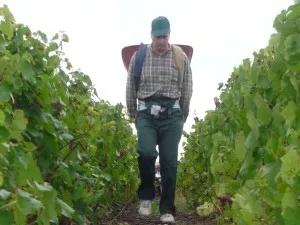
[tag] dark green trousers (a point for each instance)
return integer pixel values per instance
(165, 133)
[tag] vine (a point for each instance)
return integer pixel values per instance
(64, 153)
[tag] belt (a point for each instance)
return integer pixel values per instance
(142, 105)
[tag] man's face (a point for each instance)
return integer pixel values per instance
(160, 44)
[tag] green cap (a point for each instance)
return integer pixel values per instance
(160, 26)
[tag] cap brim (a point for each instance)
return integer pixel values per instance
(161, 32)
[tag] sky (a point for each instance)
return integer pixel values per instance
(222, 33)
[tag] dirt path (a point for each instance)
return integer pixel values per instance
(129, 216)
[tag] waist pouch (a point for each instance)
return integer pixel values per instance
(158, 108)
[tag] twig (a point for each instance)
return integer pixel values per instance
(33, 222)
(56, 166)
(7, 205)
(118, 214)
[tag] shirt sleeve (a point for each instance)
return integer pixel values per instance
(131, 94)
(186, 90)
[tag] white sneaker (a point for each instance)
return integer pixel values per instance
(145, 208)
(167, 218)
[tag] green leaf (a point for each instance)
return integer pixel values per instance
(53, 62)
(27, 169)
(264, 114)
(289, 200)
(7, 29)
(290, 165)
(1, 178)
(5, 218)
(19, 122)
(291, 216)
(240, 150)
(44, 187)
(5, 91)
(26, 70)
(19, 216)
(65, 38)
(52, 47)
(253, 123)
(67, 137)
(296, 182)
(7, 14)
(270, 172)
(289, 113)
(2, 117)
(27, 203)
(65, 208)
(247, 170)
(4, 194)
(55, 37)
(50, 143)
(48, 198)
(279, 21)
(107, 177)
(30, 147)
(4, 134)
(292, 51)
(3, 43)
(254, 73)
(87, 80)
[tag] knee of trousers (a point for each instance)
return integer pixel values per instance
(147, 154)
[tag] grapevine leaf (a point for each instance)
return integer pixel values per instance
(52, 47)
(48, 198)
(4, 134)
(87, 80)
(65, 38)
(5, 217)
(19, 215)
(292, 52)
(2, 117)
(253, 123)
(5, 91)
(3, 43)
(66, 209)
(240, 150)
(67, 137)
(7, 14)
(44, 187)
(296, 182)
(1, 178)
(270, 172)
(289, 199)
(291, 216)
(288, 113)
(264, 114)
(27, 203)
(4, 194)
(7, 29)
(251, 141)
(26, 70)
(290, 165)
(27, 169)
(19, 122)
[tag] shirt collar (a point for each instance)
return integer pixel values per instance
(160, 54)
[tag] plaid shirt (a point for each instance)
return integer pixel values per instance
(160, 78)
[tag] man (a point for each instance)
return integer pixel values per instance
(162, 109)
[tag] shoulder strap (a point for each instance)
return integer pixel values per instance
(138, 64)
(179, 56)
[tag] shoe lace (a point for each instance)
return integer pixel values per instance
(167, 215)
(146, 204)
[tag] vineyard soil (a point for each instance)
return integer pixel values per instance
(128, 215)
